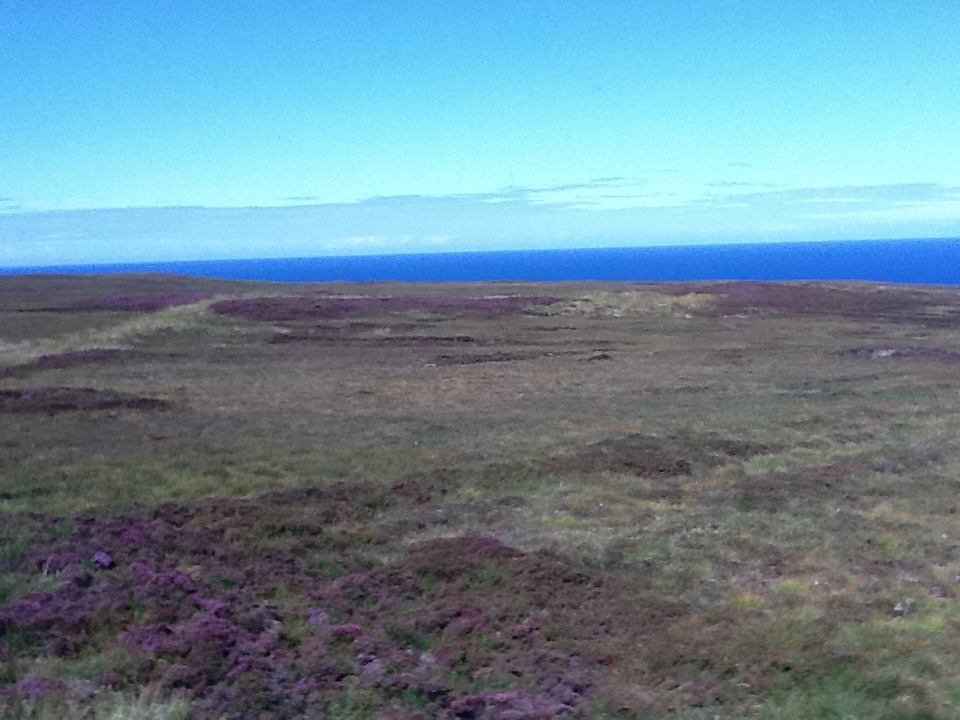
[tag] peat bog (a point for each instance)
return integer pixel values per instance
(495, 500)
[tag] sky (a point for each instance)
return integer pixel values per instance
(175, 130)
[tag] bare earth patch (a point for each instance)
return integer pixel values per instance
(66, 399)
(654, 456)
(58, 361)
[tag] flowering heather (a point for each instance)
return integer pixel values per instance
(317, 618)
(462, 598)
(350, 631)
(138, 302)
(36, 686)
(299, 307)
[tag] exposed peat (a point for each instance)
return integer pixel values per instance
(326, 336)
(654, 456)
(820, 484)
(480, 358)
(78, 357)
(59, 361)
(65, 399)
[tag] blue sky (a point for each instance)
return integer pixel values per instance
(182, 130)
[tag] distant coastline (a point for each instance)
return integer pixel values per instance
(919, 261)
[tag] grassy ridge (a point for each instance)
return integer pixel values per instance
(733, 500)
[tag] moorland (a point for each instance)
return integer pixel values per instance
(499, 500)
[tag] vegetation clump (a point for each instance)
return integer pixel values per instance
(193, 616)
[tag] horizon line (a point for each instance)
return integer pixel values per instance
(13, 269)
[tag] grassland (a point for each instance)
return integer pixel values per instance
(478, 501)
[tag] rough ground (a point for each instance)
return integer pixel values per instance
(478, 501)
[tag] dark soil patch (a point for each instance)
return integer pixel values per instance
(401, 340)
(776, 490)
(655, 456)
(79, 357)
(300, 307)
(64, 399)
(328, 504)
(935, 354)
(894, 567)
(424, 487)
(478, 358)
(934, 451)
(823, 483)
(67, 359)
(496, 357)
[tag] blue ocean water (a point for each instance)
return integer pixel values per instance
(898, 261)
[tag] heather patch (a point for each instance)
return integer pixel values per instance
(136, 302)
(66, 399)
(734, 298)
(437, 628)
(297, 307)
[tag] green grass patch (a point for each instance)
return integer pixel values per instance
(848, 693)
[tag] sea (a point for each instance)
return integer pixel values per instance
(915, 261)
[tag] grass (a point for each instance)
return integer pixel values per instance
(124, 330)
(726, 515)
(147, 704)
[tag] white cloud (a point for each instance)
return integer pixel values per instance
(609, 211)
